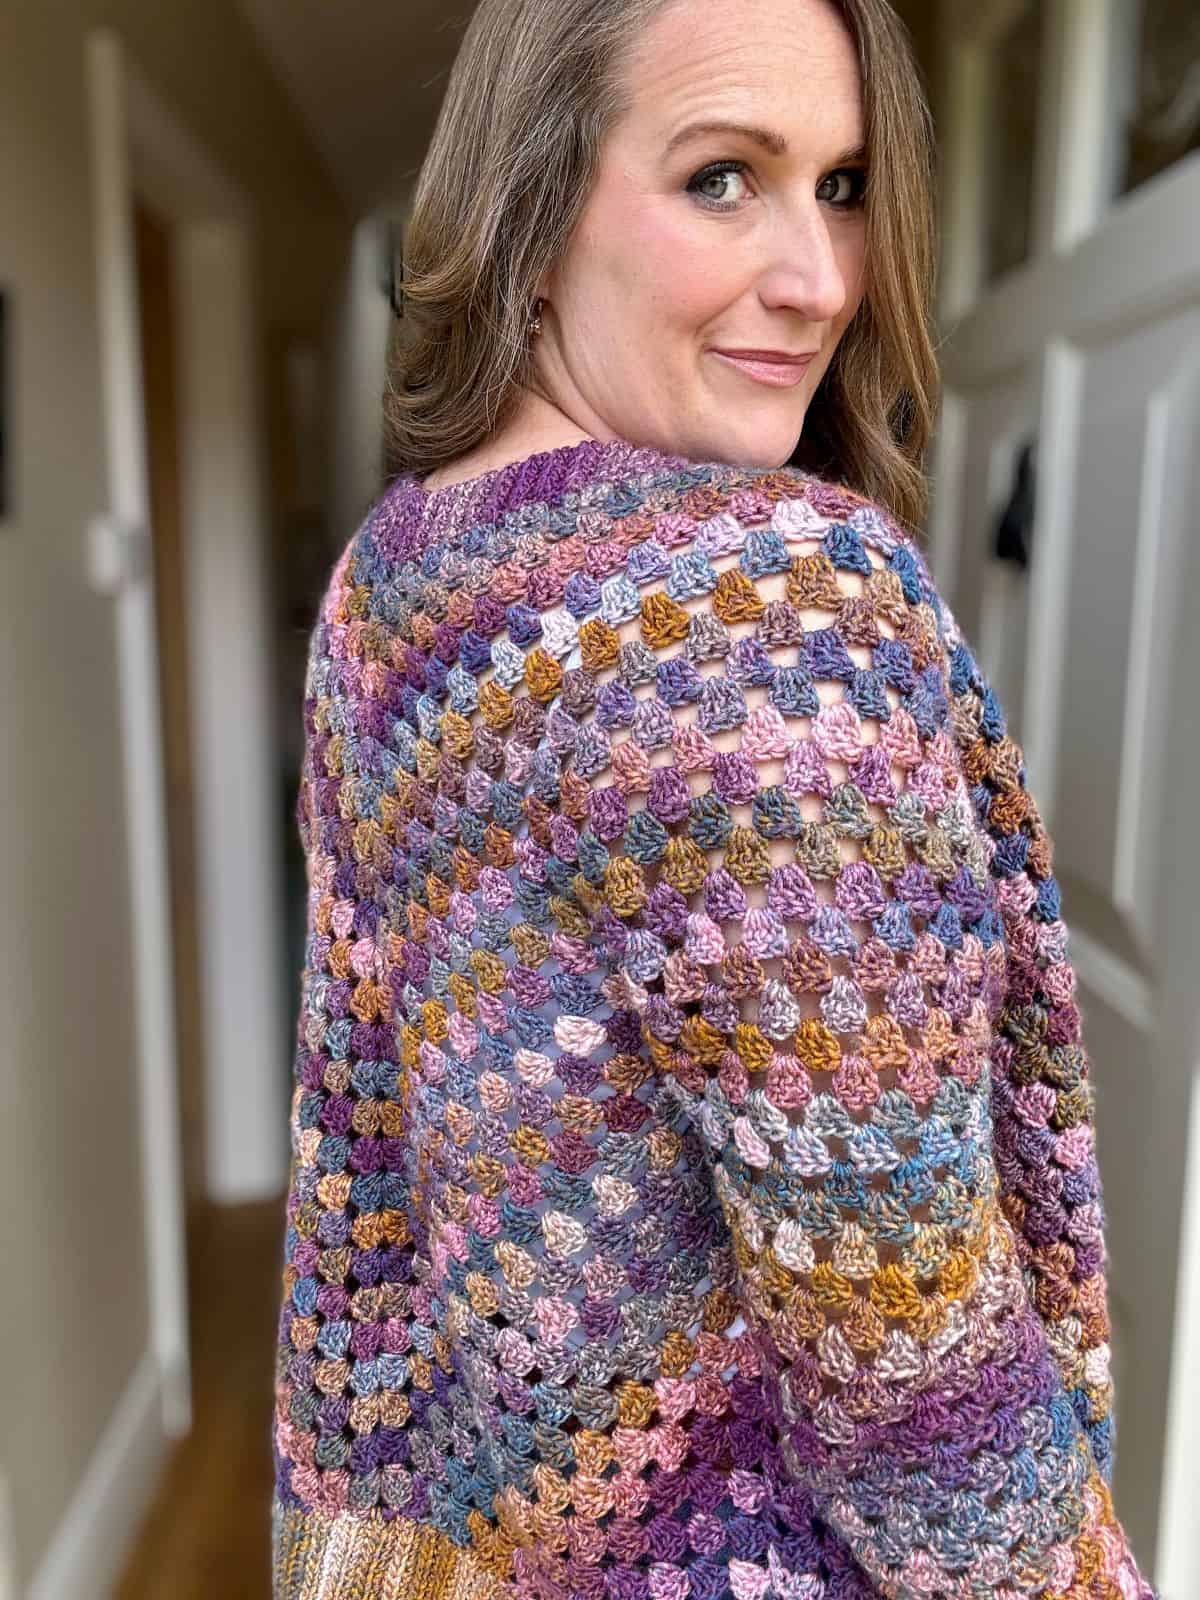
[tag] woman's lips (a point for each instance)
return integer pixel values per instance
(768, 366)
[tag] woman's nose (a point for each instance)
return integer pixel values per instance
(806, 275)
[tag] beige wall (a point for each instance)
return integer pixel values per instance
(74, 1319)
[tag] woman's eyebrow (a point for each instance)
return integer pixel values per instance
(775, 143)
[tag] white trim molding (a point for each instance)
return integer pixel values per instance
(93, 1539)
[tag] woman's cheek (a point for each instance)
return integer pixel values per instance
(694, 282)
(662, 256)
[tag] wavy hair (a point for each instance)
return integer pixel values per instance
(534, 89)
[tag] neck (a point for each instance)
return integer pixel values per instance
(537, 426)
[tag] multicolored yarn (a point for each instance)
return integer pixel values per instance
(694, 1189)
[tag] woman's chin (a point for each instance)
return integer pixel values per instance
(766, 448)
(755, 431)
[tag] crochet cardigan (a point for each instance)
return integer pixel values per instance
(693, 1186)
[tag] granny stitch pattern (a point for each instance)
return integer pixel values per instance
(694, 1188)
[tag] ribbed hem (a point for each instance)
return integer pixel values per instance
(347, 1557)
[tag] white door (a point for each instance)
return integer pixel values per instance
(1071, 311)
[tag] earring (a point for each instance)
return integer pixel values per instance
(535, 321)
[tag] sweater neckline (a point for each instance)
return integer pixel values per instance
(545, 475)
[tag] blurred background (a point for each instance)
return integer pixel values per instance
(201, 215)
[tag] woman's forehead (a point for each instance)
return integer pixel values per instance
(786, 66)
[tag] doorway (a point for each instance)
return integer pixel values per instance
(180, 550)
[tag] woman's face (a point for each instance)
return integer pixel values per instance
(720, 255)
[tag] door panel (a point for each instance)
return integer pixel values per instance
(1135, 403)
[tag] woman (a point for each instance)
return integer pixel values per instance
(694, 1186)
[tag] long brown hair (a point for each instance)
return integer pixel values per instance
(534, 89)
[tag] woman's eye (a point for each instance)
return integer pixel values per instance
(722, 186)
(843, 188)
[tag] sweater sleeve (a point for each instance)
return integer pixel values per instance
(1043, 1100)
(813, 934)
(340, 1381)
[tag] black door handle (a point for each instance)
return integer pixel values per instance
(1014, 526)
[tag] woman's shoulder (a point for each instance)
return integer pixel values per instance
(854, 533)
(801, 506)
(599, 515)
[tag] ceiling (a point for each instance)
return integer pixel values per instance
(366, 77)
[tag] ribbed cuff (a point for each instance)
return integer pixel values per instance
(347, 1557)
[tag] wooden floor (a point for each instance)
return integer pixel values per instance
(207, 1534)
